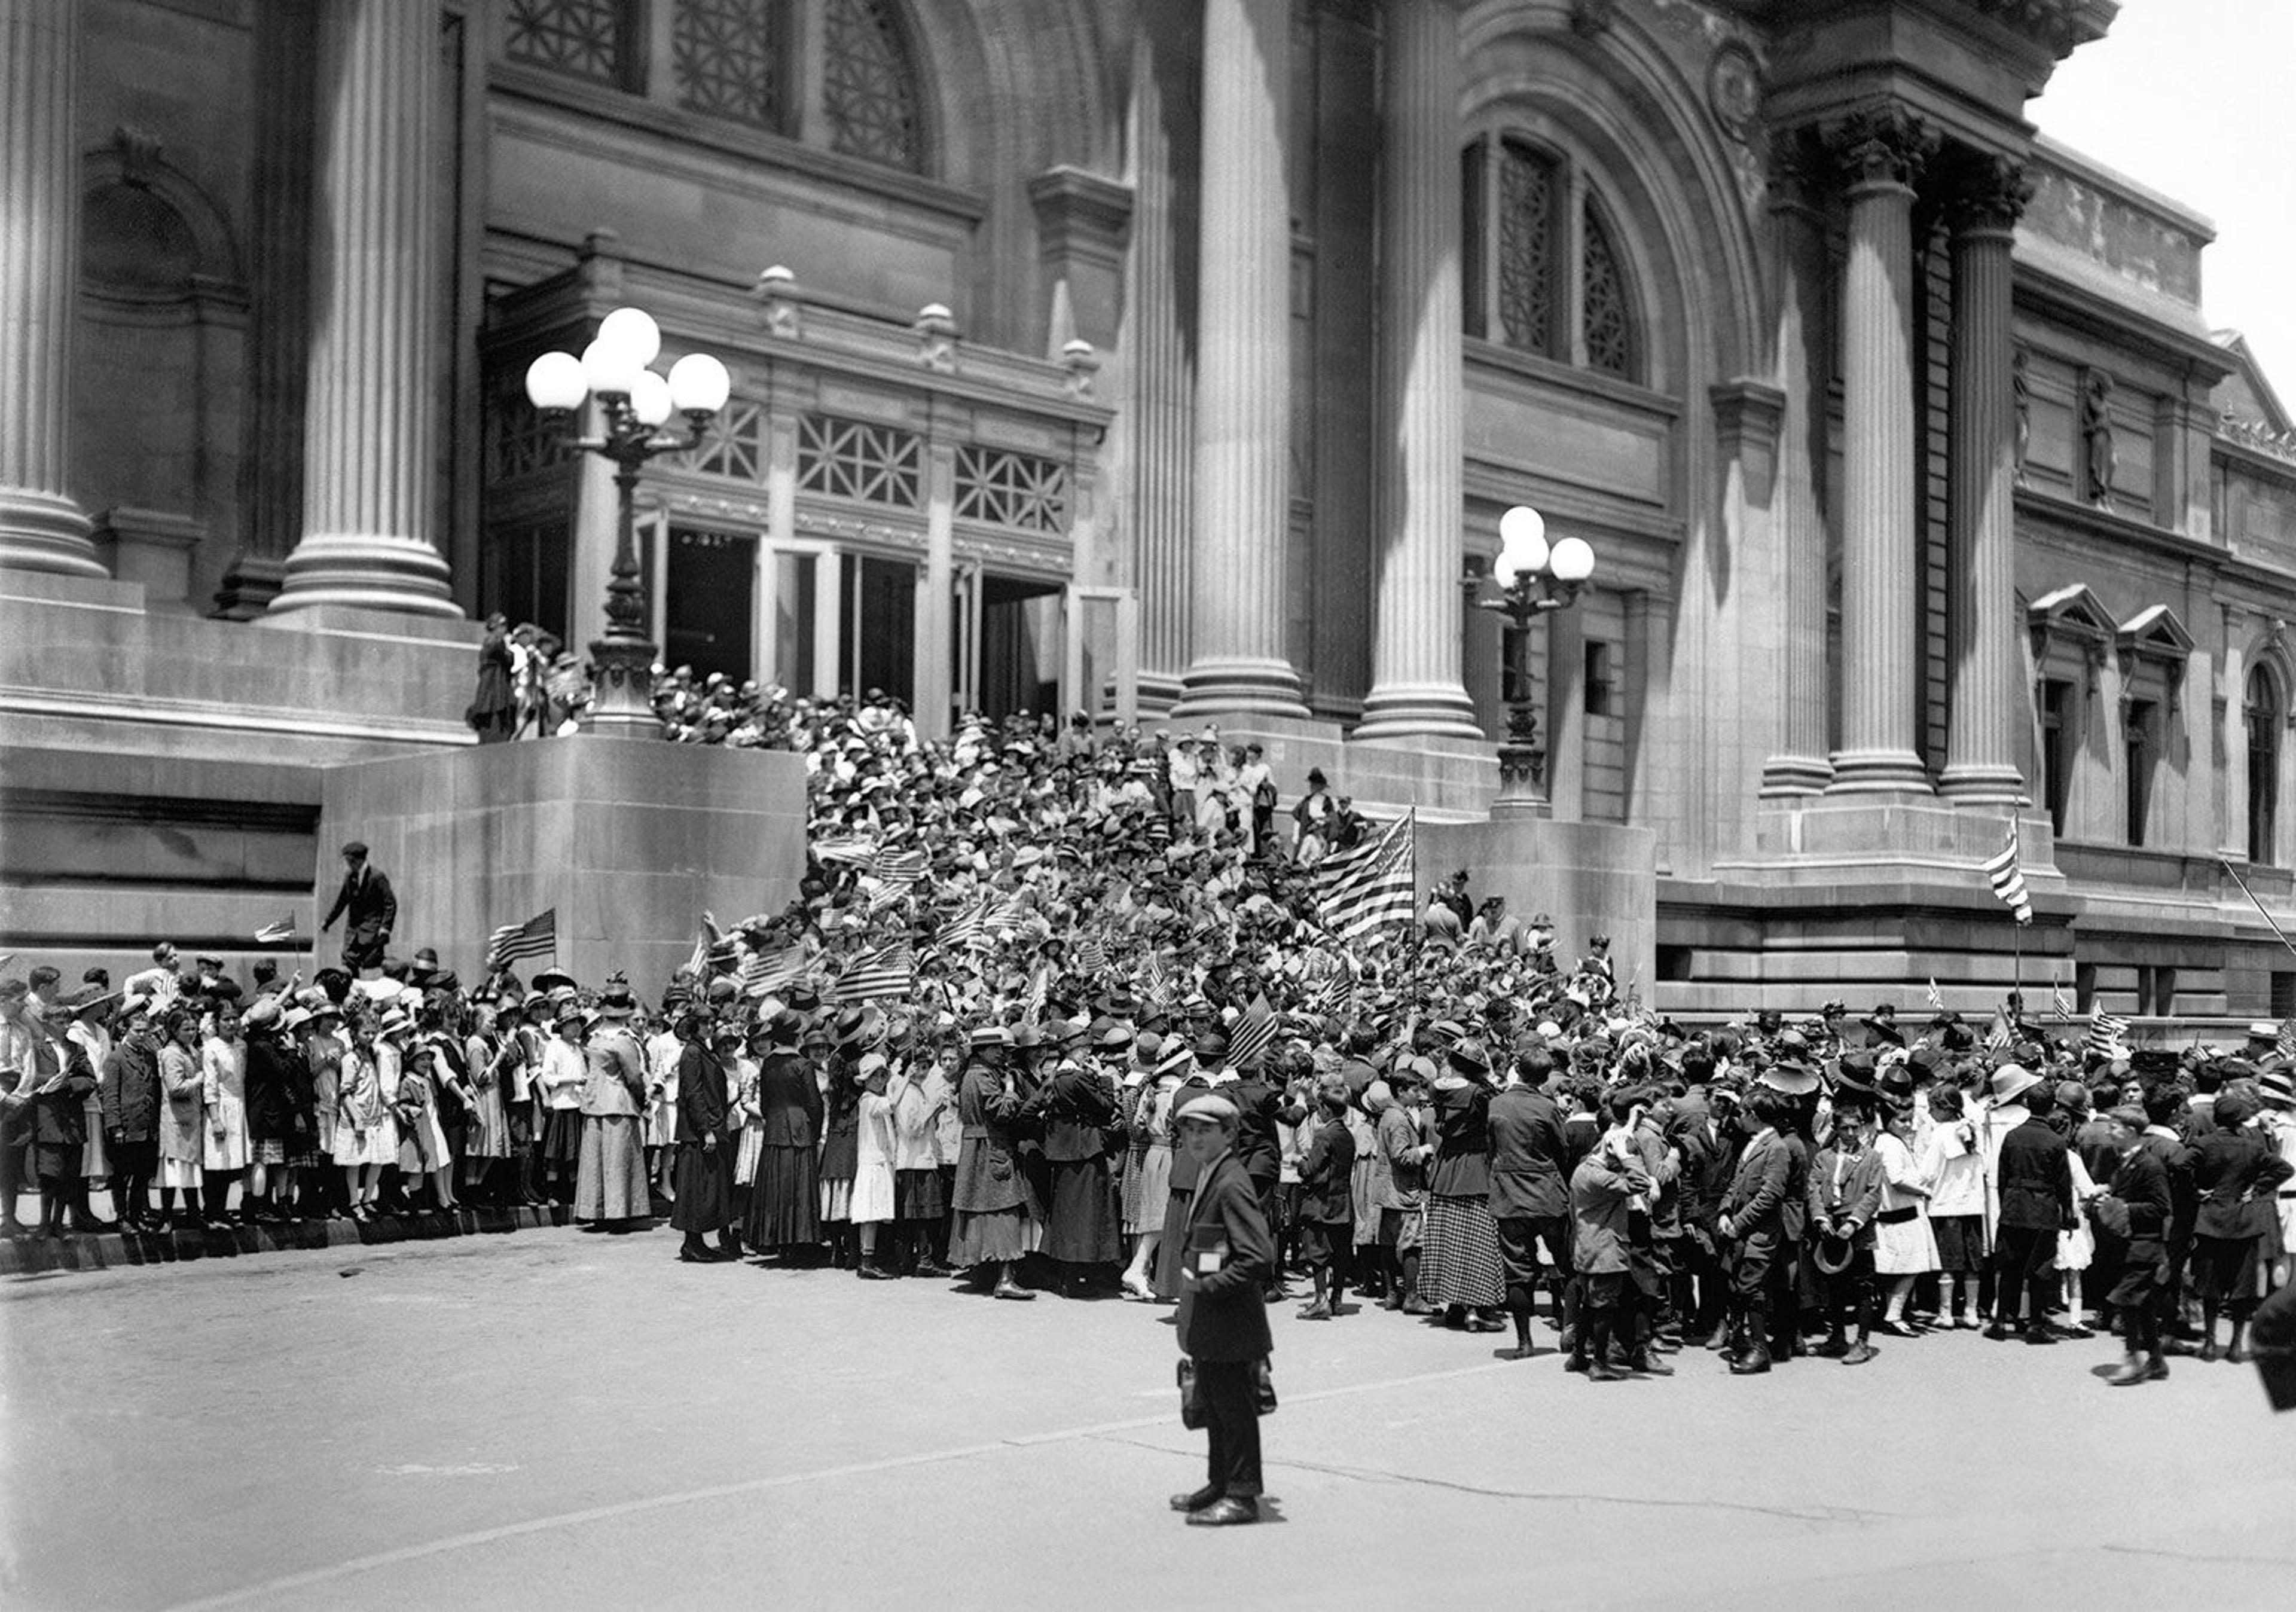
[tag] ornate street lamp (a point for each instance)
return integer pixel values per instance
(635, 403)
(1532, 579)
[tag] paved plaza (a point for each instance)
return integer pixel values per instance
(569, 1420)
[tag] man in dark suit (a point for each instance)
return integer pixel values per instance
(1261, 1108)
(2035, 1190)
(1530, 1205)
(2140, 1187)
(368, 908)
(1223, 1316)
(1753, 1223)
(705, 1146)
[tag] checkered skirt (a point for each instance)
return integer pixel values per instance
(1459, 1261)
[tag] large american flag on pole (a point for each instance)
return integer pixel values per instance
(2008, 879)
(1376, 883)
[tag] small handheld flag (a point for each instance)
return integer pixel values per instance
(272, 934)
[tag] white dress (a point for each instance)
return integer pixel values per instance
(1902, 1247)
(364, 1132)
(873, 1169)
(223, 1136)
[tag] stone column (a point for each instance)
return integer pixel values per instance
(1244, 390)
(371, 492)
(935, 652)
(1881, 154)
(1987, 703)
(1416, 688)
(41, 527)
(1799, 766)
(2232, 829)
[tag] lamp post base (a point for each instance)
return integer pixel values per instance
(1522, 782)
(621, 705)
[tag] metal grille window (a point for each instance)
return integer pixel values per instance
(853, 459)
(735, 445)
(1004, 488)
(1603, 318)
(868, 87)
(729, 56)
(581, 38)
(1526, 277)
(519, 440)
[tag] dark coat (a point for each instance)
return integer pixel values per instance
(270, 1104)
(2175, 1157)
(129, 1090)
(2036, 1183)
(1184, 1168)
(2140, 1181)
(1526, 1156)
(701, 1093)
(789, 1102)
(1463, 1142)
(2236, 1174)
(1327, 1174)
(60, 1117)
(989, 1174)
(1223, 1311)
(1599, 1207)
(1261, 1107)
(1706, 1169)
(372, 910)
(1078, 1108)
(1755, 1202)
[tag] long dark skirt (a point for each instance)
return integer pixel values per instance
(1081, 1228)
(562, 1136)
(917, 1195)
(704, 1187)
(785, 1200)
(1168, 1252)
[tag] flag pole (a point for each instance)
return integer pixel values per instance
(2245, 890)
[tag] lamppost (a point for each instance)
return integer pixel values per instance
(1532, 579)
(635, 403)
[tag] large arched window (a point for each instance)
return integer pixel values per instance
(2265, 718)
(750, 62)
(1544, 270)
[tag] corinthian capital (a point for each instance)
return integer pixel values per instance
(1986, 191)
(1882, 144)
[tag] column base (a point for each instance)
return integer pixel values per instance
(1269, 688)
(365, 572)
(1879, 772)
(1796, 776)
(46, 532)
(1424, 710)
(250, 585)
(1983, 785)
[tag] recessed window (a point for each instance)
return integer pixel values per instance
(1543, 268)
(1601, 694)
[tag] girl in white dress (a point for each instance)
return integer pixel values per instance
(223, 1094)
(872, 1205)
(1903, 1245)
(364, 1137)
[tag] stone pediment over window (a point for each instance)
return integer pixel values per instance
(2153, 637)
(2071, 617)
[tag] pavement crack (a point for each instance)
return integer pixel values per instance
(1381, 1475)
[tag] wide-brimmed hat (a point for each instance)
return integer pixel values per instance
(2275, 1087)
(615, 1000)
(2012, 1081)
(1833, 1251)
(551, 979)
(1790, 1075)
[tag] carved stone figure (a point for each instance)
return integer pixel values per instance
(2021, 392)
(2096, 438)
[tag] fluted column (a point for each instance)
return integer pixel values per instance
(1986, 702)
(370, 492)
(1243, 391)
(1881, 154)
(1415, 636)
(1800, 766)
(41, 527)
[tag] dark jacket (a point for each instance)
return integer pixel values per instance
(2140, 1181)
(1600, 1190)
(1327, 1174)
(1526, 1156)
(60, 1117)
(701, 1093)
(1463, 1142)
(789, 1102)
(1077, 1109)
(2035, 1187)
(373, 911)
(1257, 1146)
(1755, 1201)
(1224, 1311)
(1706, 1170)
(270, 1106)
(129, 1090)
(2236, 1174)
(988, 1175)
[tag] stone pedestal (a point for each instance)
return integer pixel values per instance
(1882, 153)
(41, 527)
(630, 843)
(1415, 643)
(371, 492)
(153, 548)
(1591, 877)
(1244, 380)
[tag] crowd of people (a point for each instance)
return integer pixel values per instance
(1022, 958)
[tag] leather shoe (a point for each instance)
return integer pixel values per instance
(1010, 1290)
(2209, 1352)
(1642, 1365)
(1602, 1370)
(1195, 1500)
(1752, 1363)
(2133, 1371)
(1225, 1513)
(1859, 1355)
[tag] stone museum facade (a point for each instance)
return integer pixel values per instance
(1175, 360)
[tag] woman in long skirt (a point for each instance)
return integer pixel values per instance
(563, 1074)
(487, 1142)
(840, 1152)
(785, 1199)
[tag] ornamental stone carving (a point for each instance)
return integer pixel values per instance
(1987, 192)
(1882, 145)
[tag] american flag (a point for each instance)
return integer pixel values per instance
(2058, 1003)
(2286, 1045)
(1937, 1001)
(537, 937)
(2107, 1033)
(1333, 996)
(765, 972)
(852, 851)
(1032, 1000)
(968, 928)
(1091, 957)
(2008, 879)
(1254, 1033)
(887, 971)
(900, 867)
(1156, 978)
(1998, 1036)
(1358, 891)
(882, 895)
(1008, 913)
(272, 934)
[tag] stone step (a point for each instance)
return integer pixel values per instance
(110, 1250)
